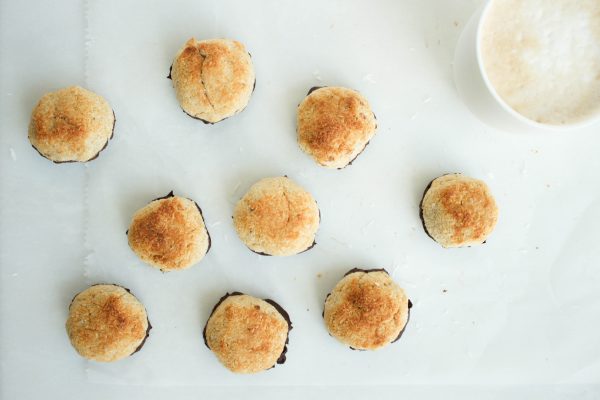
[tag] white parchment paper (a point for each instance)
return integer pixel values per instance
(521, 309)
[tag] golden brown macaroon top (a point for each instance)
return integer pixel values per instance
(213, 79)
(169, 233)
(247, 334)
(366, 310)
(106, 323)
(334, 125)
(277, 217)
(71, 124)
(458, 211)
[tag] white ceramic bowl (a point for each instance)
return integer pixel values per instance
(477, 91)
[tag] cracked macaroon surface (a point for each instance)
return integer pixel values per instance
(106, 323)
(458, 211)
(247, 334)
(169, 233)
(277, 217)
(366, 310)
(213, 79)
(334, 125)
(71, 125)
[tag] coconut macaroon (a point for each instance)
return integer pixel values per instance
(247, 334)
(458, 211)
(107, 323)
(169, 233)
(277, 217)
(366, 310)
(334, 125)
(213, 79)
(71, 125)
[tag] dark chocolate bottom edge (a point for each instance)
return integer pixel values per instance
(145, 338)
(205, 227)
(356, 156)
(260, 253)
(112, 134)
(401, 332)
(314, 243)
(312, 89)
(410, 305)
(353, 270)
(421, 209)
(281, 310)
(167, 196)
(203, 120)
(55, 162)
(285, 316)
(363, 149)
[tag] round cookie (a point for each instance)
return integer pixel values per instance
(169, 233)
(107, 323)
(334, 125)
(366, 310)
(276, 217)
(71, 125)
(247, 334)
(458, 211)
(213, 79)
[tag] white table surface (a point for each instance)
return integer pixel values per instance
(541, 264)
